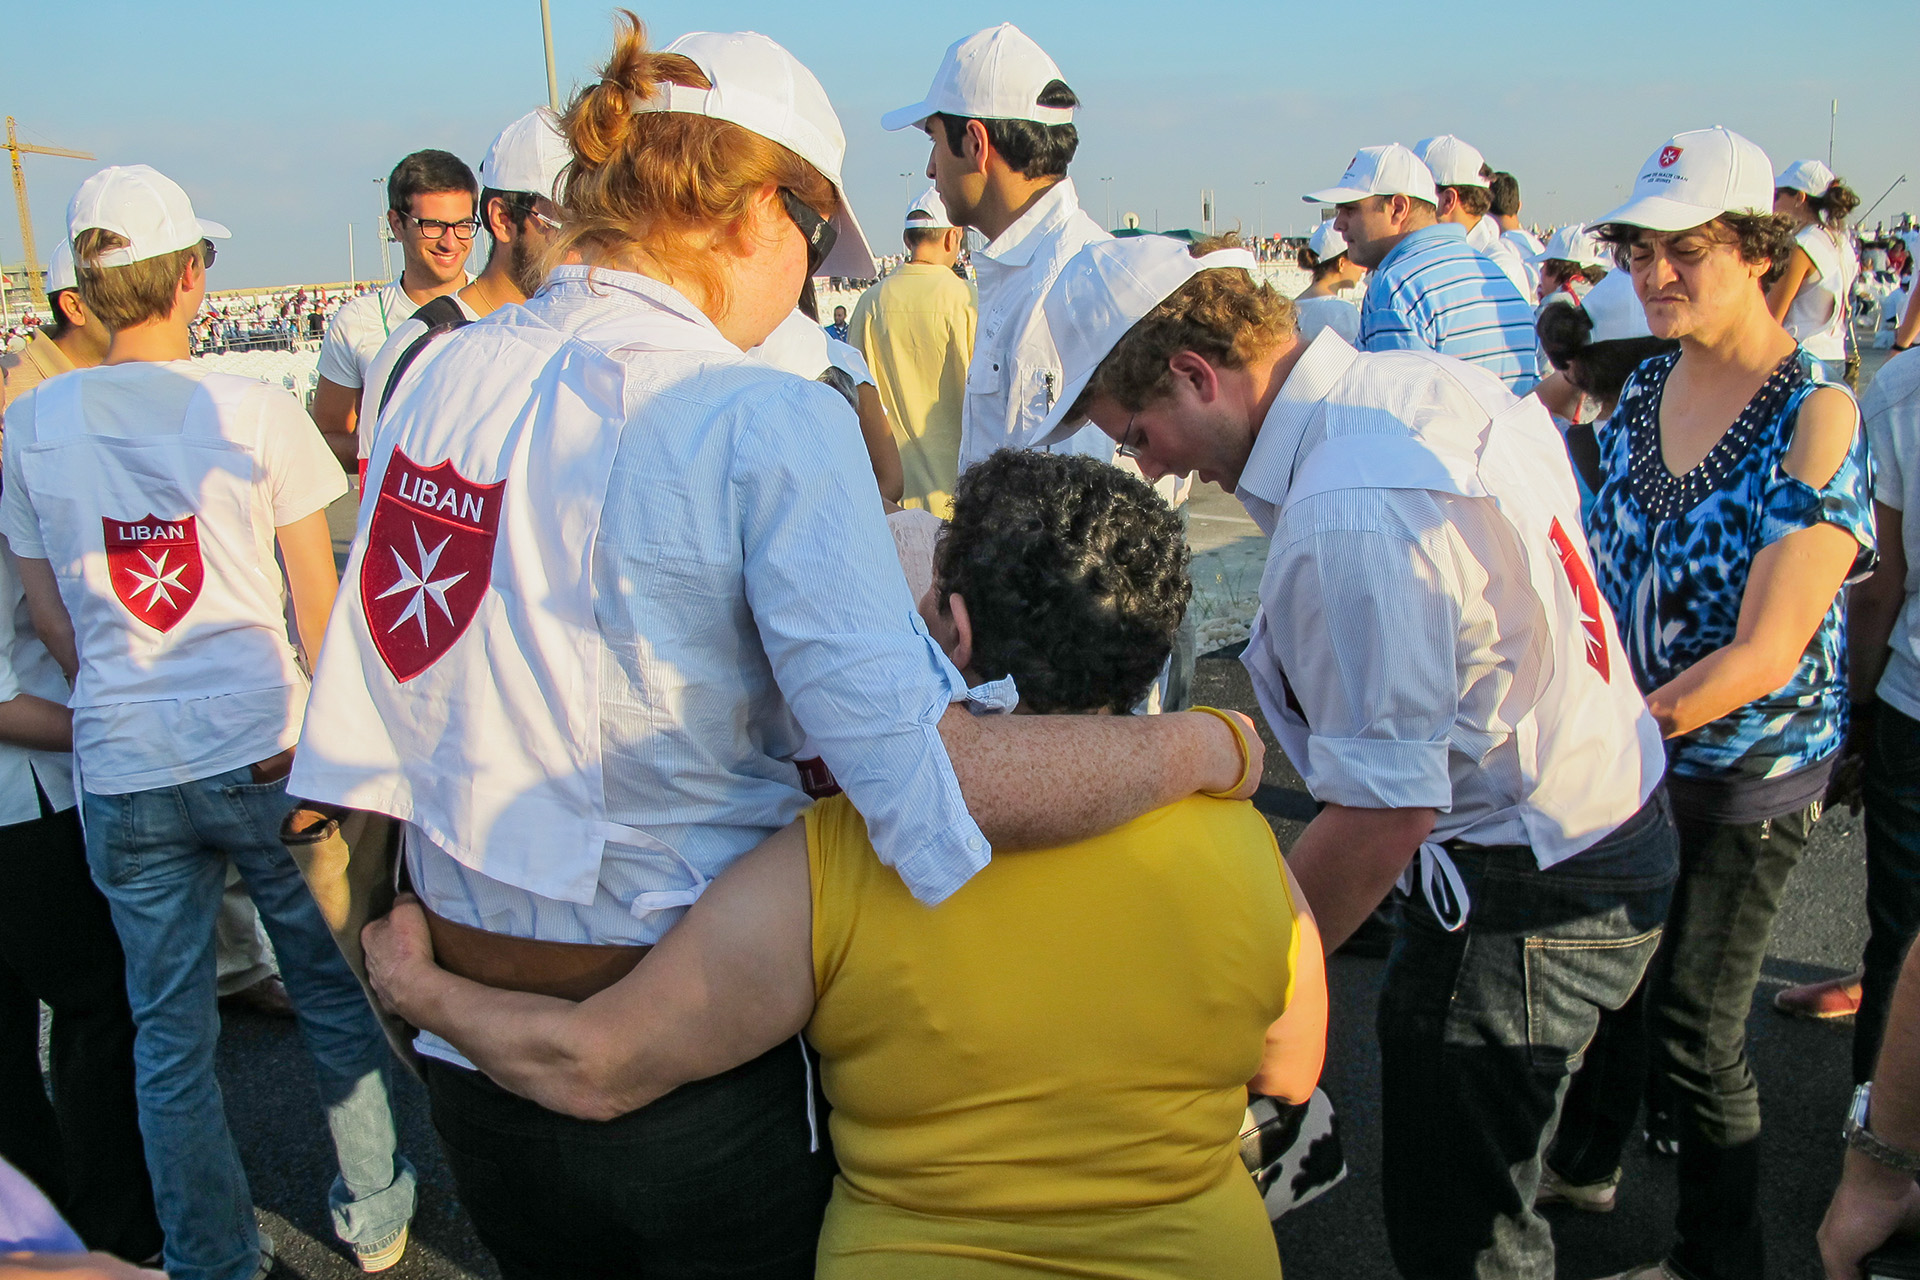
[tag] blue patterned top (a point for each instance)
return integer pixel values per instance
(1672, 554)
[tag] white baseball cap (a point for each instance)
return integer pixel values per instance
(1615, 309)
(1574, 243)
(1696, 177)
(1391, 170)
(929, 212)
(1102, 292)
(1809, 176)
(1326, 242)
(60, 272)
(1452, 162)
(144, 206)
(996, 74)
(762, 88)
(527, 156)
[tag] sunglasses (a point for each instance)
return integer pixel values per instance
(817, 231)
(207, 255)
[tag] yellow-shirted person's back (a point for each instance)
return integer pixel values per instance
(1046, 1074)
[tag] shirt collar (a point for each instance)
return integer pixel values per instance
(1408, 242)
(655, 294)
(1015, 246)
(1275, 454)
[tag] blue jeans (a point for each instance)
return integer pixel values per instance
(160, 858)
(1480, 1030)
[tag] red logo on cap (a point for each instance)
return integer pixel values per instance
(1668, 155)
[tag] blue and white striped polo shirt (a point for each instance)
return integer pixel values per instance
(1435, 290)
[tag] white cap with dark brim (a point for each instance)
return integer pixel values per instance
(1102, 292)
(762, 88)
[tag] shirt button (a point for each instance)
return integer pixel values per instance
(975, 844)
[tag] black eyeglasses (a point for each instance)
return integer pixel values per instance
(207, 254)
(1126, 449)
(434, 228)
(817, 231)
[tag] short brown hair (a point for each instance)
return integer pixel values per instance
(1475, 200)
(133, 294)
(1760, 237)
(1225, 316)
(648, 180)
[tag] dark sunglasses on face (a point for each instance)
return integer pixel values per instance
(814, 229)
(207, 253)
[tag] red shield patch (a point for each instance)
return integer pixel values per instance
(1668, 155)
(1580, 577)
(428, 562)
(155, 567)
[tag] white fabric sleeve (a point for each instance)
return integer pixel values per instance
(338, 361)
(302, 473)
(1365, 625)
(848, 360)
(19, 522)
(1887, 425)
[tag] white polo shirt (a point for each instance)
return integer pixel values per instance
(1891, 411)
(1015, 376)
(27, 667)
(358, 331)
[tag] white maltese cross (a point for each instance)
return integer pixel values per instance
(421, 583)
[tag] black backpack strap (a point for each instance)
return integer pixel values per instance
(442, 315)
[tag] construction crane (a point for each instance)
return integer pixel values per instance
(36, 278)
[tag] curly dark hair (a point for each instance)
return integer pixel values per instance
(1760, 237)
(1075, 578)
(1599, 369)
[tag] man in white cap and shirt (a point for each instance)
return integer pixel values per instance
(916, 330)
(145, 501)
(1428, 288)
(1434, 657)
(1460, 176)
(1001, 121)
(518, 180)
(73, 339)
(662, 565)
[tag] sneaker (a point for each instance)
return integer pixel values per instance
(1663, 1138)
(267, 997)
(1834, 998)
(381, 1256)
(1588, 1197)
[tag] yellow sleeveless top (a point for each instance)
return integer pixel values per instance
(1046, 1074)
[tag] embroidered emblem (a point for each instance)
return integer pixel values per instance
(155, 567)
(428, 563)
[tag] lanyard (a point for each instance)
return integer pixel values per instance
(1440, 885)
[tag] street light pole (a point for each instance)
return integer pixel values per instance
(1108, 184)
(546, 35)
(351, 281)
(1260, 186)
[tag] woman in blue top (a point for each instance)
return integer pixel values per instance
(1733, 508)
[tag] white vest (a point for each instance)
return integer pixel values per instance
(459, 686)
(155, 541)
(1579, 785)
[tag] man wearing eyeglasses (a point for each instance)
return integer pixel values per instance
(518, 180)
(431, 198)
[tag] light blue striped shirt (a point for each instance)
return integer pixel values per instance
(1434, 290)
(745, 585)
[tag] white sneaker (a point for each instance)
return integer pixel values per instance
(1588, 1197)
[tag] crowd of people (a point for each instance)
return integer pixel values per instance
(748, 768)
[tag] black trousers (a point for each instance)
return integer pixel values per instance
(714, 1180)
(82, 1146)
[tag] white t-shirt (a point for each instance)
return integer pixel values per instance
(1817, 316)
(1891, 411)
(1337, 314)
(136, 746)
(380, 368)
(358, 331)
(27, 667)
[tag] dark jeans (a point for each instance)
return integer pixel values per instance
(713, 1180)
(1694, 1011)
(58, 946)
(1481, 1028)
(1891, 788)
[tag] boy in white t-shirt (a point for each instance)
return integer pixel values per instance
(145, 500)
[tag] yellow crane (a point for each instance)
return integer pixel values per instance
(36, 278)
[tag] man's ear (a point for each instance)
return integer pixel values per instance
(974, 147)
(961, 651)
(1193, 369)
(956, 238)
(499, 224)
(75, 311)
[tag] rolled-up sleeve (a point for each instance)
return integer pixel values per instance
(1365, 626)
(851, 656)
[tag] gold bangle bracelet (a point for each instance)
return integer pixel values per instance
(1246, 752)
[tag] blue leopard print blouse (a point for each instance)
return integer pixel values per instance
(1672, 554)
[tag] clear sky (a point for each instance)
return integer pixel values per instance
(278, 117)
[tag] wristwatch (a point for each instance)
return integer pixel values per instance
(1862, 1139)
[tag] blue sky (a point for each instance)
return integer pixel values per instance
(277, 117)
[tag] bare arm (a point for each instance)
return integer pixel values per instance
(1873, 606)
(1032, 782)
(1297, 1041)
(1559, 394)
(51, 622)
(307, 547)
(1789, 589)
(35, 723)
(1780, 297)
(729, 982)
(1873, 1201)
(73, 1266)
(1347, 859)
(337, 411)
(881, 446)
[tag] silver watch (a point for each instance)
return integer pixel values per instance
(1862, 1139)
